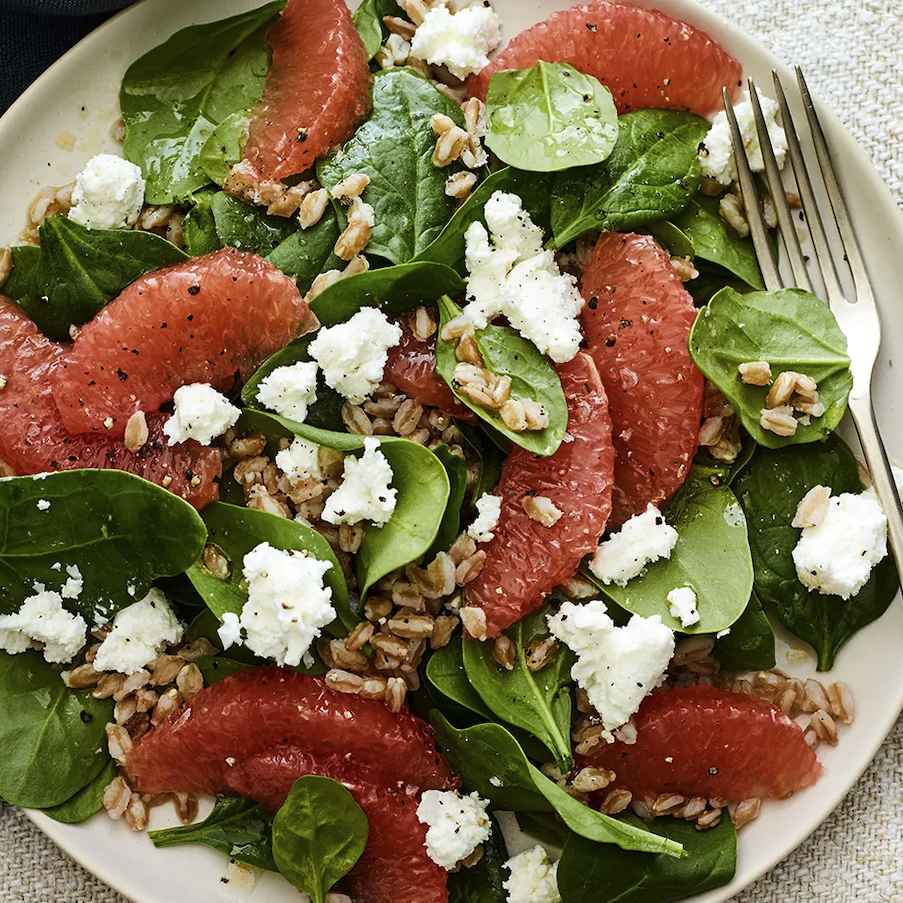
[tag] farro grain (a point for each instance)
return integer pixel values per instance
(744, 811)
(470, 568)
(119, 742)
(709, 819)
(136, 813)
(616, 801)
(399, 26)
(199, 648)
(460, 185)
(710, 187)
(778, 420)
(376, 608)
(391, 646)
(816, 698)
(666, 803)
(133, 682)
(474, 621)
(81, 677)
(116, 798)
(396, 690)
(755, 373)
(503, 652)
(841, 699)
(374, 687)
(169, 702)
(124, 709)
(812, 508)
(514, 415)
(693, 649)
(351, 186)
(355, 420)
(359, 637)
(769, 214)
(541, 654)
(443, 628)
(462, 548)
(190, 681)
(6, 264)
(186, 807)
(344, 681)
(591, 779)
(823, 725)
(108, 685)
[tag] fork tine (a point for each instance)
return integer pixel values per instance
(754, 217)
(778, 195)
(823, 256)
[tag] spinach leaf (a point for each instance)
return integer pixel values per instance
(393, 290)
(52, 739)
(546, 827)
(456, 468)
(652, 174)
(25, 267)
(120, 530)
(235, 531)
(368, 19)
(491, 459)
(308, 252)
(669, 236)
(591, 873)
(711, 555)
(87, 801)
(174, 96)
(79, 271)
(750, 644)
(537, 702)
(789, 328)
(505, 353)
(490, 761)
(218, 667)
(224, 147)
(239, 828)
(395, 148)
(318, 835)
(770, 488)
(445, 671)
(199, 226)
(549, 117)
(248, 228)
(483, 882)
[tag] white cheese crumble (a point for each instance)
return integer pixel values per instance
(836, 557)
(643, 539)
(514, 276)
(74, 584)
(489, 508)
(617, 666)
(353, 355)
(42, 618)
(301, 460)
(108, 193)
(288, 603)
(716, 156)
(43, 505)
(533, 878)
(365, 492)
(682, 605)
(290, 391)
(201, 413)
(229, 632)
(140, 633)
(460, 41)
(457, 825)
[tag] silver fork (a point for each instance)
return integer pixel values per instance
(858, 317)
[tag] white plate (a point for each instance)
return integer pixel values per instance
(64, 118)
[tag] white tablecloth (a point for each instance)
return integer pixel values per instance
(852, 51)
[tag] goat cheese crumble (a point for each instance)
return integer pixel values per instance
(836, 556)
(617, 666)
(201, 413)
(290, 391)
(682, 605)
(365, 492)
(74, 584)
(108, 193)
(641, 540)
(229, 632)
(301, 460)
(140, 633)
(43, 505)
(43, 619)
(533, 878)
(353, 355)
(515, 277)
(457, 825)
(489, 509)
(461, 41)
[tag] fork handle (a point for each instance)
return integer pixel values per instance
(879, 469)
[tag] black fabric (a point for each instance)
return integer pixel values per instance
(34, 33)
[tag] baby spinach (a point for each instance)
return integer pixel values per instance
(224, 147)
(120, 530)
(368, 20)
(174, 96)
(546, 827)
(235, 531)
(78, 271)
(490, 761)
(483, 882)
(199, 226)
(537, 702)
(318, 835)
(52, 739)
(549, 117)
(218, 667)
(505, 353)
(395, 148)
(789, 328)
(308, 252)
(456, 468)
(770, 488)
(445, 672)
(239, 828)
(25, 267)
(592, 873)
(672, 239)
(652, 174)
(750, 644)
(248, 228)
(491, 459)
(394, 290)
(87, 801)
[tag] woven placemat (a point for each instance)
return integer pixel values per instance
(853, 55)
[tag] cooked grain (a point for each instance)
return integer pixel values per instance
(6, 263)
(313, 207)
(812, 508)
(778, 420)
(503, 652)
(755, 373)
(460, 185)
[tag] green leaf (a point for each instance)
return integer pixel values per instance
(770, 489)
(199, 226)
(120, 530)
(368, 19)
(218, 667)
(538, 702)
(505, 353)
(79, 271)
(318, 835)
(711, 555)
(52, 739)
(173, 98)
(670, 237)
(591, 873)
(235, 531)
(456, 468)
(394, 147)
(223, 149)
(789, 328)
(394, 290)
(308, 252)
(549, 117)
(248, 228)
(483, 882)
(239, 828)
(491, 459)
(445, 672)
(87, 801)
(652, 174)
(490, 761)
(546, 827)
(25, 267)
(750, 644)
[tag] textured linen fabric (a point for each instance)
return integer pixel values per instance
(852, 51)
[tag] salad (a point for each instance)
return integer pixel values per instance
(402, 446)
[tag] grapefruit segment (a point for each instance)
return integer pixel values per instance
(526, 559)
(646, 58)
(702, 741)
(34, 439)
(636, 321)
(194, 322)
(317, 89)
